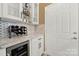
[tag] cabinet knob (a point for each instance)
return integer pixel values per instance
(74, 32)
(39, 39)
(39, 45)
(74, 38)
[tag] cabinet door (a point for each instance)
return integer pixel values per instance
(12, 10)
(0, 10)
(41, 45)
(34, 47)
(35, 13)
(37, 46)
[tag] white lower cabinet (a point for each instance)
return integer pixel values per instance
(37, 46)
(41, 45)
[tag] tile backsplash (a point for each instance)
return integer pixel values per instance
(30, 27)
(35, 28)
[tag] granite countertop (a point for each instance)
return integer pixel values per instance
(4, 43)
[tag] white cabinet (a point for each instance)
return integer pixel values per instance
(37, 46)
(34, 47)
(11, 10)
(0, 10)
(35, 13)
(41, 45)
(2, 52)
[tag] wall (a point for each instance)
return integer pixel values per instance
(42, 12)
(30, 28)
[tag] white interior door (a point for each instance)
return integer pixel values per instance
(61, 29)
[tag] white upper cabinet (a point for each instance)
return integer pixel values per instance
(0, 10)
(26, 12)
(11, 10)
(35, 13)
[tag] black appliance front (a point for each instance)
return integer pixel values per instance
(21, 49)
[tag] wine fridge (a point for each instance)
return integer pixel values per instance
(21, 49)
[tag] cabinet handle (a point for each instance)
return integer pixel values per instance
(74, 32)
(21, 14)
(39, 45)
(74, 38)
(39, 39)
